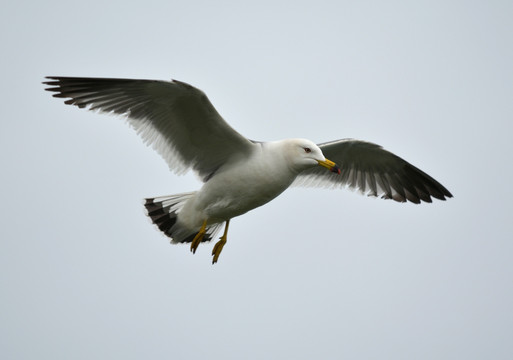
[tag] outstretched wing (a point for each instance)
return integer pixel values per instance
(373, 171)
(175, 118)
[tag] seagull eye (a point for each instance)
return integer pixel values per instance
(308, 150)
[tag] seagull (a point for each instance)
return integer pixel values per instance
(179, 122)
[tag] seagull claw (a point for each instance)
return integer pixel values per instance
(218, 247)
(199, 237)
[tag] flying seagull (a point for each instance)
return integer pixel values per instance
(238, 174)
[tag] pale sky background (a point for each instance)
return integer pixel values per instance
(315, 274)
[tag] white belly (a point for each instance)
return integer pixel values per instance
(229, 194)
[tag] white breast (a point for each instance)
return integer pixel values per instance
(236, 189)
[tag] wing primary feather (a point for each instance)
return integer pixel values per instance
(375, 171)
(173, 117)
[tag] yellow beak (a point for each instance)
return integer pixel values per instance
(330, 165)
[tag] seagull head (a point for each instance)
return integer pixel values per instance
(305, 154)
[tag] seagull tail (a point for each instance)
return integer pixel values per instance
(163, 212)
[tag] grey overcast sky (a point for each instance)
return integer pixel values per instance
(315, 274)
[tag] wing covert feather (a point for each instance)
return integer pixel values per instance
(374, 171)
(173, 117)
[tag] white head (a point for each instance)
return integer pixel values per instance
(303, 154)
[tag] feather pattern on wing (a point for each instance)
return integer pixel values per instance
(173, 117)
(374, 171)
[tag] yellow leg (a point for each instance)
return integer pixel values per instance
(199, 236)
(218, 247)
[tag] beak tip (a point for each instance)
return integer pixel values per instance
(330, 165)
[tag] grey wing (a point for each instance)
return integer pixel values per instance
(175, 118)
(374, 171)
